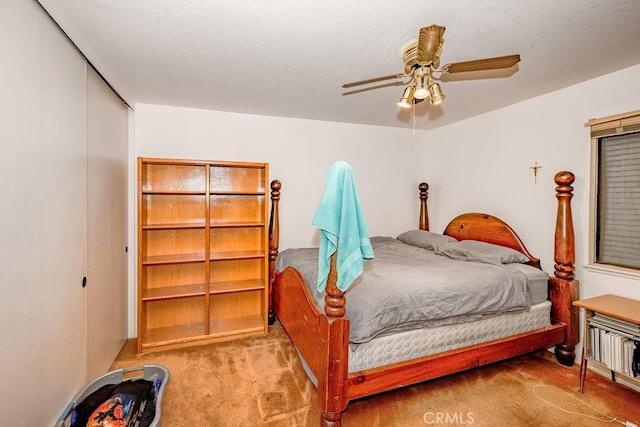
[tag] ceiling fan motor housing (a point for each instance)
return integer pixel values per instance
(410, 58)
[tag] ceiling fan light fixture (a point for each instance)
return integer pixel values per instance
(435, 94)
(407, 97)
(422, 90)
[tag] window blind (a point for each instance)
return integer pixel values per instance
(618, 200)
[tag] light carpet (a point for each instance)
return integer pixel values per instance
(259, 381)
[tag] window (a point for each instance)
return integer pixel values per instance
(616, 191)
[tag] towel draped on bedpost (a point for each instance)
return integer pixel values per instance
(342, 228)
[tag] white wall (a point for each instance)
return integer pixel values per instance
(483, 164)
(385, 160)
(299, 152)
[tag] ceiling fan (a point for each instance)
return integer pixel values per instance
(422, 62)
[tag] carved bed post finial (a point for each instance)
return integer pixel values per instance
(334, 299)
(274, 241)
(424, 212)
(564, 238)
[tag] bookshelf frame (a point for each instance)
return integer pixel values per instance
(202, 251)
(616, 307)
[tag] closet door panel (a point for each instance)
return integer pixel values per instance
(43, 182)
(107, 226)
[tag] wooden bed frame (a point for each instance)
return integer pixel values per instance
(323, 338)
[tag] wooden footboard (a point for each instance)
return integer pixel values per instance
(322, 339)
(300, 318)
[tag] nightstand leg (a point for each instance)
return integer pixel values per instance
(583, 364)
(583, 370)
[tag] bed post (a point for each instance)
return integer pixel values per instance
(274, 241)
(334, 299)
(331, 386)
(424, 212)
(564, 286)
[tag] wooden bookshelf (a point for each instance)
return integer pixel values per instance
(202, 250)
(620, 320)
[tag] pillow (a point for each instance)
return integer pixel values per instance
(425, 239)
(473, 250)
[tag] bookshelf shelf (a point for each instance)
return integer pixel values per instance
(611, 336)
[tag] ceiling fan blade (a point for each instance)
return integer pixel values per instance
(482, 64)
(377, 79)
(429, 42)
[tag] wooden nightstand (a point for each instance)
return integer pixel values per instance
(611, 321)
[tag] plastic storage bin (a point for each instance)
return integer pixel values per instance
(147, 372)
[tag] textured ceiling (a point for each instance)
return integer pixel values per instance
(290, 57)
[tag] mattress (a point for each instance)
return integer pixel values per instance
(407, 345)
(410, 287)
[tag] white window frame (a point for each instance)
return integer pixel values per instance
(619, 124)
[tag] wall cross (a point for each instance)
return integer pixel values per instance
(535, 168)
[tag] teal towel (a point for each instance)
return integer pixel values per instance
(342, 228)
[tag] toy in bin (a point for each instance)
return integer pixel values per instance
(119, 399)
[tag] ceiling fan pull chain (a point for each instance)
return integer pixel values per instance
(413, 109)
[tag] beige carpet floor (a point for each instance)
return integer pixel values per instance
(259, 381)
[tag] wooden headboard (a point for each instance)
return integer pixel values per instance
(487, 228)
(476, 226)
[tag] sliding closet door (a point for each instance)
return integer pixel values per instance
(43, 217)
(107, 225)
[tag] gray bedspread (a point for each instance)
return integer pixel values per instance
(407, 287)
